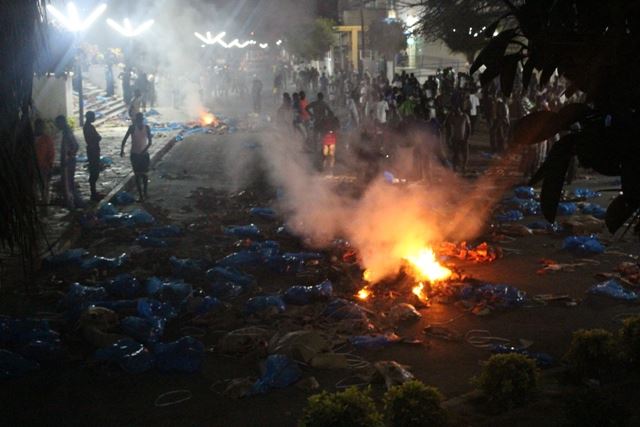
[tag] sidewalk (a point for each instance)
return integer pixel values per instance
(59, 220)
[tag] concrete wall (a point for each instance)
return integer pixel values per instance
(52, 96)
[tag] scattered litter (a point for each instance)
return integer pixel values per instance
(404, 312)
(302, 295)
(224, 290)
(103, 263)
(584, 193)
(261, 304)
(143, 330)
(341, 309)
(464, 251)
(594, 210)
(187, 267)
(150, 242)
(78, 294)
(510, 216)
(185, 355)
(130, 355)
(442, 333)
(301, 345)
(250, 231)
(124, 286)
(229, 274)
(264, 213)
(525, 192)
(583, 224)
(373, 341)
(165, 231)
(543, 360)
(567, 208)
(550, 265)
(583, 245)
(614, 289)
(244, 340)
(391, 373)
(280, 371)
(66, 258)
(141, 217)
(171, 398)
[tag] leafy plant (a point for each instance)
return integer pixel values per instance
(414, 404)
(592, 45)
(387, 38)
(592, 353)
(630, 338)
(508, 379)
(311, 41)
(349, 408)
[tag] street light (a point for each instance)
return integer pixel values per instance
(127, 30)
(72, 22)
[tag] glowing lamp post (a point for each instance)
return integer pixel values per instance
(72, 22)
(130, 32)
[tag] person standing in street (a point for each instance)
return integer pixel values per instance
(68, 152)
(140, 143)
(474, 105)
(45, 155)
(458, 125)
(92, 138)
(256, 94)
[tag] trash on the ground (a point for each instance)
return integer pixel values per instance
(265, 303)
(13, 365)
(104, 263)
(543, 360)
(78, 294)
(264, 213)
(244, 340)
(442, 333)
(404, 312)
(150, 242)
(280, 371)
(124, 286)
(224, 290)
(301, 345)
(584, 193)
(330, 361)
(302, 295)
(341, 309)
(150, 308)
(168, 290)
(510, 216)
(550, 265)
(492, 295)
(107, 210)
(514, 230)
(614, 289)
(594, 210)
(373, 341)
(142, 217)
(186, 268)
(239, 388)
(185, 355)
(526, 206)
(583, 245)
(66, 258)
(128, 354)
(544, 225)
(123, 198)
(143, 330)
(165, 231)
(482, 252)
(583, 224)
(308, 384)
(525, 192)
(567, 208)
(96, 323)
(391, 373)
(232, 275)
(250, 231)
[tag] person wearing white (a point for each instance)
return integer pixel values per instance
(474, 103)
(382, 107)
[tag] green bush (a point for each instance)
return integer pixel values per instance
(508, 379)
(350, 408)
(414, 404)
(592, 353)
(630, 339)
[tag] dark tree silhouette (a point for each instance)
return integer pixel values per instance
(594, 45)
(387, 38)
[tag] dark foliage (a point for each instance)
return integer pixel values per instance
(594, 45)
(387, 38)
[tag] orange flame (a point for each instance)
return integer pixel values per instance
(363, 294)
(208, 119)
(418, 290)
(426, 267)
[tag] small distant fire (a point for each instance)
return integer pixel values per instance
(208, 119)
(363, 294)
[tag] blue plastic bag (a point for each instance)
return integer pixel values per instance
(143, 330)
(186, 267)
(567, 208)
(250, 231)
(525, 192)
(119, 220)
(131, 356)
(261, 303)
(185, 355)
(150, 242)
(232, 275)
(302, 295)
(510, 216)
(500, 295)
(224, 290)
(43, 348)
(614, 289)
(594, 210)
(241, 259)
(141, 217)
(280, 372)
(66, 258)
(544, 225)
(107, 210)
(169, 290)
(584, 193)
(123, 198)
(102, 263)
(124, 306)
(13, 365)
(208, 305)
(165, 231)
(150, 309)
(341, 309)
(583, 245)
(373, 341)
(106, 161)
(124, 286)
(264, 213)
(78, 294)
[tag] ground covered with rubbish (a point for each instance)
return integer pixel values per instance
(201, 308)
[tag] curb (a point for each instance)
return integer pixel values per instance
(74, 230)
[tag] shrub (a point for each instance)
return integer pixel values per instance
(592, 353)
(350, 408)
(508, 379)
(414, 404)
(630, 338)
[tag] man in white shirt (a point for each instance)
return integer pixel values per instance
(474, 103)
(382, 107)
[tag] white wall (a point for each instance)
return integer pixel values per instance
(52, 96)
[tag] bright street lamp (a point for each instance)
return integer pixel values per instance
(72, 22)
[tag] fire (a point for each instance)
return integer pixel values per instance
(426, 267)
(366, 275)
(208, 119)
(364, 294)
(418, 290)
